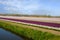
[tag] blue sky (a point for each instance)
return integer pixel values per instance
(49, 7)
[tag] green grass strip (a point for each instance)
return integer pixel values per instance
(32, 34)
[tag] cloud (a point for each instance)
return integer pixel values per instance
(31, 6)
(24, 6)
(20, 5)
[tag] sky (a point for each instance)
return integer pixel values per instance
(37, 7)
